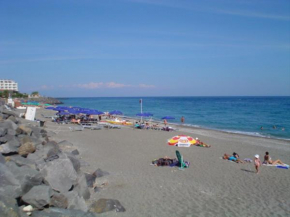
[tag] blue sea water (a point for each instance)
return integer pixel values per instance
(244, 115)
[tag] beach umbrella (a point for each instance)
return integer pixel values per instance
(115, 112)
(168, 117)
(74, 112)
(181, 141)
(63, 113)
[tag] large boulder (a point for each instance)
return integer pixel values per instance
(59, 174)
(9, 185)
(8, 149)
(38, 196)
(105, 205)
(27, 176)
(26, 148)
(13, 119)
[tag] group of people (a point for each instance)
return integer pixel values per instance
(267, 160)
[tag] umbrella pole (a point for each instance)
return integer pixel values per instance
(141, 109)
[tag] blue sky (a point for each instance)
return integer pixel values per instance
(146, 47)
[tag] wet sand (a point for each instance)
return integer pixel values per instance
(209, 187)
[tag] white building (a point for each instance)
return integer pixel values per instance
(8, 85)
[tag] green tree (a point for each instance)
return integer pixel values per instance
(5, 93)
(35, 93)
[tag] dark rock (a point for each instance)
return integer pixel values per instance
(81, 187)
(75, 201)
(100, 173)
(38, 196)
(105, 205)
(90, 178)
(8, 207)
(59, 200)
(27, 176)
(58, 212)
(59, 174)
(3, 131)
(9, 185)
(75, 152)
(26, 148)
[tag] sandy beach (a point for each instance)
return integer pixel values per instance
(210, 186)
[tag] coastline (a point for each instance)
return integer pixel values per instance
(209, 187)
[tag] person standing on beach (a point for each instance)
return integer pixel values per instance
(182, 120)
(165, 122)
(257, 163)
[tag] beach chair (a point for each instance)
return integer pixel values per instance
(78, 128)
(181, 161)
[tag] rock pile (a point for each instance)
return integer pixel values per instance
(39, 177)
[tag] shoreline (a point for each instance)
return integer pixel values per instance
(189, 126)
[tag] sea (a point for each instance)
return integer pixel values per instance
(256, 116)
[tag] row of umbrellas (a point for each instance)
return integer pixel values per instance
(63, 110)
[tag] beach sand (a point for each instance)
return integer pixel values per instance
(210, 186)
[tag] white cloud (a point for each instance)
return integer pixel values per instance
(146, 86)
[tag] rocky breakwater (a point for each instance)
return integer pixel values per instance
(45, 100)
(40, 177)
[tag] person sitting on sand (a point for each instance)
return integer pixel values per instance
(268, 160)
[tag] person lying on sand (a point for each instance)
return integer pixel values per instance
(233, 158)
(201, 144)
(268, 160)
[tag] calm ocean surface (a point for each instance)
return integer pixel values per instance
(243, 115)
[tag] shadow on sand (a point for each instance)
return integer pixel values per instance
(249, 171)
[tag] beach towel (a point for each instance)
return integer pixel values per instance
(285, 166)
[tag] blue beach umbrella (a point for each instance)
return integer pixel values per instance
(74, 112)
(168, 117)
(63, 113)
(115, 112)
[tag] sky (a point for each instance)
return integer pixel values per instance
(104, 48)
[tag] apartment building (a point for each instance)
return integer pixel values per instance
(8, 85)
